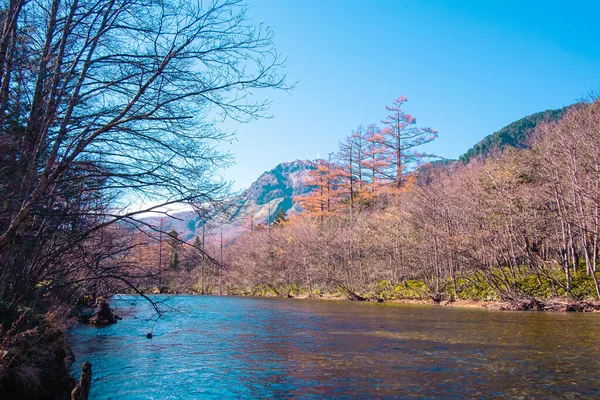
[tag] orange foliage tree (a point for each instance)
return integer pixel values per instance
(400, 138)
(324, 198)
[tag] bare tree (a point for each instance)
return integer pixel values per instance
(113, 103)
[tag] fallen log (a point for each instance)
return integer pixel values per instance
(82, 390)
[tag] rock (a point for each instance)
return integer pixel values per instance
(534, 304)
(104, 316)
(581, 306)
(528, 304)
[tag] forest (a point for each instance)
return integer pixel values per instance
(384, 221)
(516, 219)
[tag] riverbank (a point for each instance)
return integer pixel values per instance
(35, 354)
(412, 294)
(527, 304)
(492, 305)
(35, 358)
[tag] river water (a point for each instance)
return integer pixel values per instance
(243, 348)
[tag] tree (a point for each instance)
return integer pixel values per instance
(374, 159)
(566, 164)
(108, 105)
(323, 199)
(400, 137)
(174, 243)
(280, 217)
(350, 157)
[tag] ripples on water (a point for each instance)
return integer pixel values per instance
(229, 347)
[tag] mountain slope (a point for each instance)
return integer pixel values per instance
(277, 188)
(514, 134)
(274, 189)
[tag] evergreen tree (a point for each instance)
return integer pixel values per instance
(174, 242)
(280, 217)
(401, 137)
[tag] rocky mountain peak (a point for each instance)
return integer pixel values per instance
(284, 182)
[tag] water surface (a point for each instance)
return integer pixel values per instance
(231, 347)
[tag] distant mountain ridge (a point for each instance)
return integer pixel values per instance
(280, 184)
(276, 189)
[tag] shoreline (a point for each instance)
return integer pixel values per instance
(525, 304)
(530, 304)
(556, 304)
(490, 305)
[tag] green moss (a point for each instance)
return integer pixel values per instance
(410, 289)
(468, 287)
(473, 287)
(582, 285)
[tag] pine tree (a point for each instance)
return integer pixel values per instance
(280, 217)
(174, 243)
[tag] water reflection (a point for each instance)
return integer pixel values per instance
(222, 347)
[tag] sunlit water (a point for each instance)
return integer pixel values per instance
(230, 347)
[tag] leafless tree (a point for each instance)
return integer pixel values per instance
(106, 105)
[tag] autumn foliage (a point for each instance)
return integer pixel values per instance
(369, 162)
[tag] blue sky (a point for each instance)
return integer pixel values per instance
(468, 68)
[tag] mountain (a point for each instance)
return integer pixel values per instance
(514, 134)
(274, 189)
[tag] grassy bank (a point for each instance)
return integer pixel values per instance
(498, 289)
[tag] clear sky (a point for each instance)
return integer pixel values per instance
(468, 68)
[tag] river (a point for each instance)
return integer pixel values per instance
(238, 347)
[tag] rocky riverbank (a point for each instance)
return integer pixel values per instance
(35, 357)
(526, 304)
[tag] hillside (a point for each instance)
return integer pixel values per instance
(514, 134)
(275, 189)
